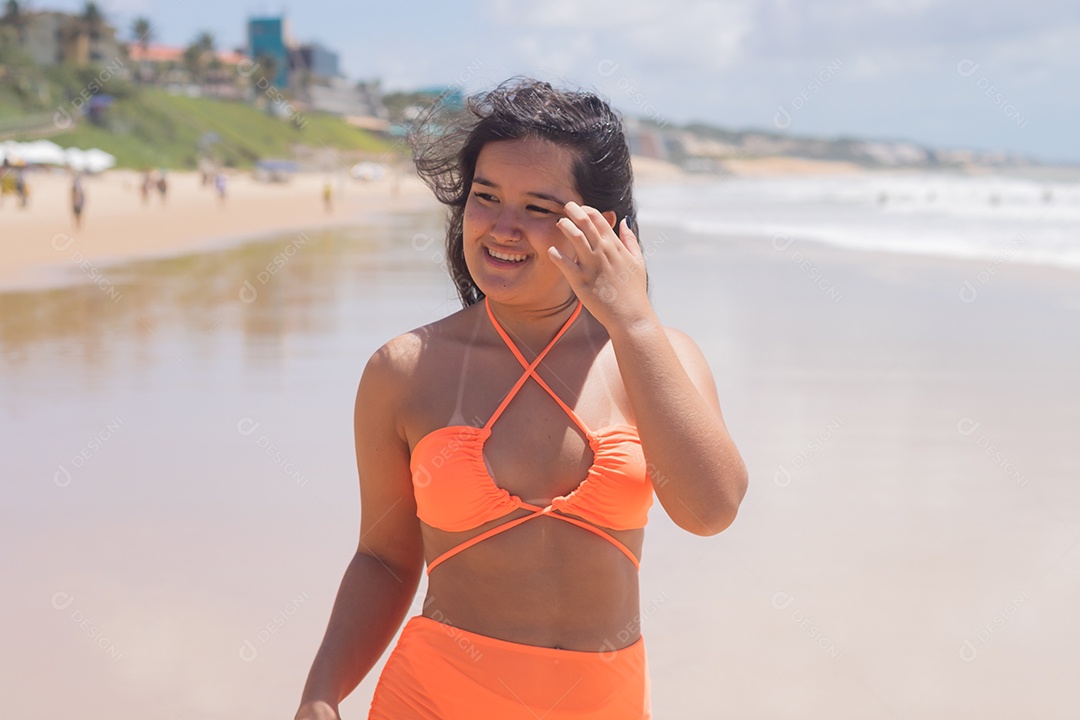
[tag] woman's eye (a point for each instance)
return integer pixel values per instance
(484, 196)
(537, 208)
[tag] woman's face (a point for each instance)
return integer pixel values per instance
(517, 195)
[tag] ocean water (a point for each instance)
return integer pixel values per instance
(986, 218)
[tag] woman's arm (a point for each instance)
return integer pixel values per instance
(697, 472)
(382, 578)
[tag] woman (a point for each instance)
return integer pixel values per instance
(515, 445)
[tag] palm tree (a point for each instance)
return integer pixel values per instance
(268, 69)
(205, 41)
(199, 55)
(92, 19)
(143, 32)
(16, 19)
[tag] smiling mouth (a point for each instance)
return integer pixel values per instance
(505, 256)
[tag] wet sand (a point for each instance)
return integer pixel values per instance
(180, 495)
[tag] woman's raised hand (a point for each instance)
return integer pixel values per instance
(605, 270)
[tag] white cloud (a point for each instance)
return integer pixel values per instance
(706, 36)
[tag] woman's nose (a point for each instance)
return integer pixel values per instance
(506, 227)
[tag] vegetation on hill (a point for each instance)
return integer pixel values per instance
(147, 126)
(156, 129)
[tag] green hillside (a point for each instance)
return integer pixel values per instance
(148, 127)
(155, 129)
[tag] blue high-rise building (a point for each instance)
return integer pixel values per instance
(267, 38)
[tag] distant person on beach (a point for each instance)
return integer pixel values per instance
(328, 197)
(515, 446)
(78, 200)
(219, 187)
(146, 186)
(7, 180)
(22, 188)
(163, 186)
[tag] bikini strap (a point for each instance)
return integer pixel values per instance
(530, 368)
(537, 511)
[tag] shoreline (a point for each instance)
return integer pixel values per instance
(48, 253)
(42, 248)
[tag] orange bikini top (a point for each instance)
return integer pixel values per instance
(454, 491)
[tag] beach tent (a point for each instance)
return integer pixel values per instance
(89, 161)
(9, 150)
(368, 171)
(275, 170)
(41, 152)
(98, 160)
(73, 157)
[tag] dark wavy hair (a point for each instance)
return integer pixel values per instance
(445, 150)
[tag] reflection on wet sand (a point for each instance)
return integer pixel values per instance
(269, 290)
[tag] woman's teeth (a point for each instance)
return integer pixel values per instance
(506, 256)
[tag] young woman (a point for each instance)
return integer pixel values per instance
(515, 446)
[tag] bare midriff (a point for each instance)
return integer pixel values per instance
(544, 583)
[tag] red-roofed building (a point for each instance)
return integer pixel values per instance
(159, 54)
(167, 65)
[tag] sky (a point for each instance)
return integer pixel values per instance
(991, 75)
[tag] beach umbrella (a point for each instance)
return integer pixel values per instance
(368, 171)
(75, 159)
(89, 161)
(42, 152)
(96, 160)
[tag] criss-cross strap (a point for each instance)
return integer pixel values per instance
(516, 502)
(537, 511)
(530, 369)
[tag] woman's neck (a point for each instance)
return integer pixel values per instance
(532, 327)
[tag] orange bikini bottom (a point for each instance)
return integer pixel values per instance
(440, 672)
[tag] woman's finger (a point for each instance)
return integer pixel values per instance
(600, 228)
(585, 222)
(578, 241)
(629, 239)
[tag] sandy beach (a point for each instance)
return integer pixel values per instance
(40, 240)
(180, 495)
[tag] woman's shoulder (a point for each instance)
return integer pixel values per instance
(400, 359)
(680, 340)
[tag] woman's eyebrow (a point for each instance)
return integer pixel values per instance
(543, 196)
